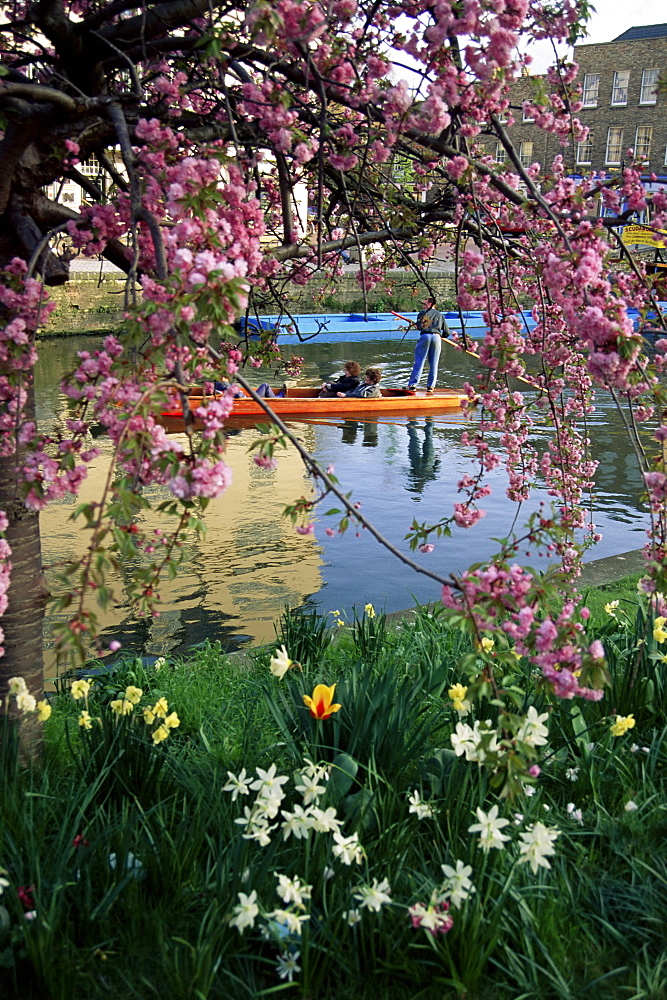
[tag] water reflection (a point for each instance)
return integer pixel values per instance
(424, 462)
(237, 579)
(351, 430)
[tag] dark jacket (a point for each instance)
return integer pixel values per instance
(346, 383)
(431, 321)
(365, 391)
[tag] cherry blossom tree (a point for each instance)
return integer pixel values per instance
(205, 118)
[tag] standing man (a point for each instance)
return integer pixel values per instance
(432, 328)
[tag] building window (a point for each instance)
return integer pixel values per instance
(590, 90)
(527, 114)
(89, 167)
(643, 141)
(649, 91)
(585, 150)
(614, 145)
(501, 153)
(619, 89)
(526, 154)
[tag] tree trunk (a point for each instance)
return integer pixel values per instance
(23, 620)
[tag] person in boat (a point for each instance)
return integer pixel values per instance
(225, 386)
(267, 392)
(350, 380)
(432, 328)
(368, 389)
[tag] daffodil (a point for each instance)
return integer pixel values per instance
(43, 710)
(85, 720)
(80, 689)
(26, 702)
(320, 702)
(659, 632)
(457, 693)
(486, 645)
(133, 694)
(160, 734)
(369, 611)
(537, 845)
(172, 721)
(622, 724)
(160, 708)
(610, 608)
(280, 663)
(16, 685)
(121, 706)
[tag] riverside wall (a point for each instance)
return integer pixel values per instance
(93, 302)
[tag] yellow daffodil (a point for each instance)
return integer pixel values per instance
(160, 734)
(370, 610)
(160, 708)
(80, 689)
(487, 644)
(26, 702)
(320, 703)
(280, 663)
(133, 694)
(622, 724)
(458, 692)
(611, 607)
(659, 632)
(121, 706)
(43, 710)
(172, 721)
(85, 721)
(149, 716)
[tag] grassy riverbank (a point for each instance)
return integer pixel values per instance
(250, 849)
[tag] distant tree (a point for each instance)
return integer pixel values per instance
(205, 117)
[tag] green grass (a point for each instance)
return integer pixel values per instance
(134, 859)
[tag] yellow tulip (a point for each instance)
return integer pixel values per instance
(320, 703)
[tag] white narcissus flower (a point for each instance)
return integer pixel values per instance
(422, 810)
(280, 663)
(373, 897)
(458, 884)
(291, 890)
(538, 845)
(489, 828)
(532, 731)
(347, 849)
(237, 786)
(245, 912)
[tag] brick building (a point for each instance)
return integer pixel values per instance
(622, 106)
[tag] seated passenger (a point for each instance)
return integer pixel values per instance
(226, 386)
(350, 380)
(369, 388)
(267, 392)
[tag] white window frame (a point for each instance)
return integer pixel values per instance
(590, 91)
(501, 153)
(646, 152)
(618, 143)
(527, 115)
(649, 91)
(585, 148)
(619, 89)
(527, 159)
(666, 156)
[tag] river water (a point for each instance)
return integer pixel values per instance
(236, 582)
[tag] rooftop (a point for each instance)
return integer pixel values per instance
(643, 31)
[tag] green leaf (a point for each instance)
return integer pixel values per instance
(343, 773)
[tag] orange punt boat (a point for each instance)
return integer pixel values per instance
(305, 402)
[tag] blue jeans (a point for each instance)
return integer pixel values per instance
(429, 345)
